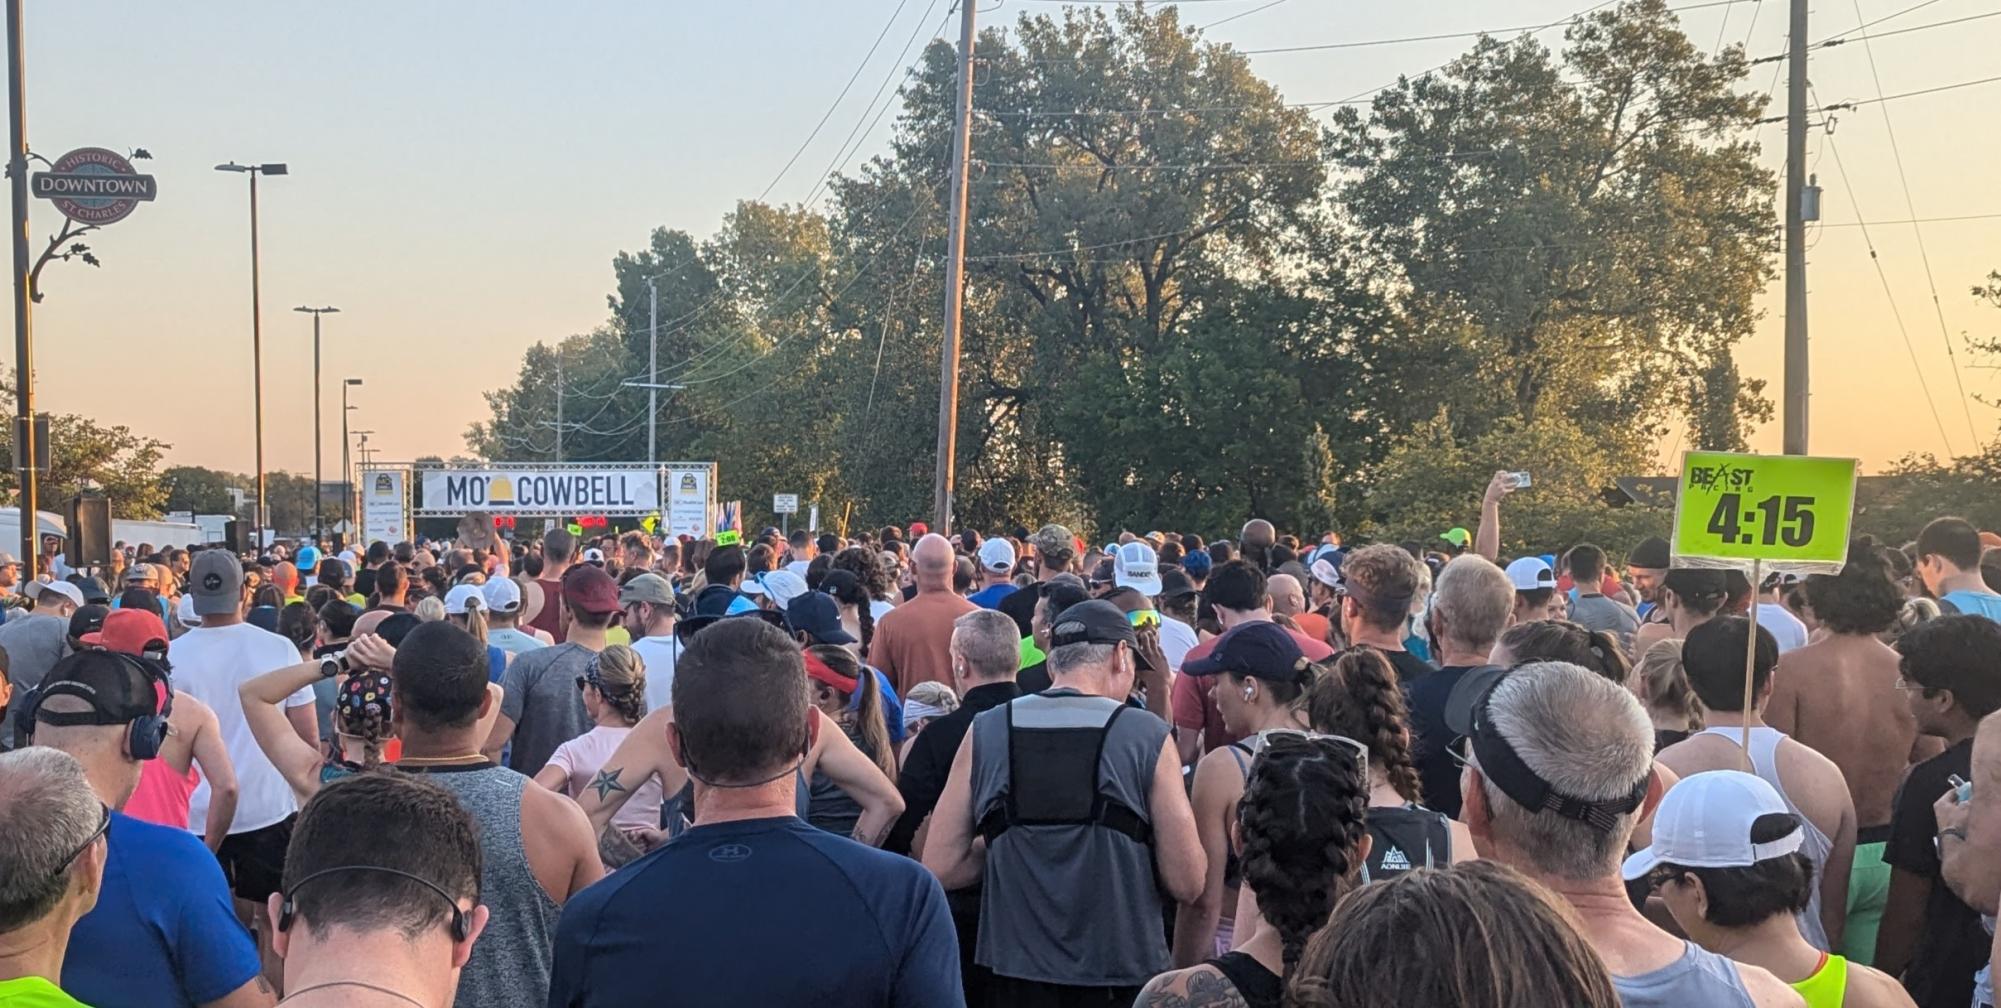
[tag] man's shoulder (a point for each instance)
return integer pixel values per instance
(174, 857)
(537, 659)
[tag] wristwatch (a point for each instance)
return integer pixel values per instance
(331, 666)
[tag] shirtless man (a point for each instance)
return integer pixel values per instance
(1812, 785)
(1838, 696)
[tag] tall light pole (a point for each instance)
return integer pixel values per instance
(24, 361)
(256, 334)
(319, 523)
(1798, 401)
(652, 370)
(346, 471)
(955, 279)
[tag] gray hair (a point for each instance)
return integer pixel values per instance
(990, 642)
(1474, 598)
(1080, 658)
(1588, 738)
(53, 814)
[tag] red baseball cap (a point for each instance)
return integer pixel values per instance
(131, 631)
(590, 589)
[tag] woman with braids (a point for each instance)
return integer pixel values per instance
(362, 735)
(872, 570)
(614, 689)
(1662, 686)
(1258, 680)
(857, 610)
(1564, 641)
(1477, 935)
(851, 697)
(1299, 827)
(1689, 597)
(1357, 697)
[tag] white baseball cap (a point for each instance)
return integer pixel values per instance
(1135, 565)
(1705, 822)
(63, 588)
(997, 555)
(1530, 573)
(782, 585)
(502, 594)
(185, 611)
(463, 597)
(594, 555)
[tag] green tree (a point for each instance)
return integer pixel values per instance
(200, 489)
(123, 465)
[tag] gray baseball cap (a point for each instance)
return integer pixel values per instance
(216, 582)
(647, 588)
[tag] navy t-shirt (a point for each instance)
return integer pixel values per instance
(1431, 741)
(164, 931)
(760, 912)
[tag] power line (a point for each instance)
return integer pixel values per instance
(845, 152)
(1245, 14)
(1850, 106)
(1883, 278)
(1910, 207)
(838, 98)
(1842, 40)
(1447, 36)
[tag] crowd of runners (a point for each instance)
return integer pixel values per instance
(1007, 767)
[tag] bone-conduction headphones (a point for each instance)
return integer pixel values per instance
(461, 926)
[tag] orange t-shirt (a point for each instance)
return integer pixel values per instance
(913, 642)
(1313, 625)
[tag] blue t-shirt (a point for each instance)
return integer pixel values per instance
(892, 708)
(763, 912)
(1975, 603)
(990, 596)
(164, 932)
(496, 663)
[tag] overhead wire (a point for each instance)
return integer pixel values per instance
(1917, 231)
(1843, 40)
(1895, 313)
(1255, 10)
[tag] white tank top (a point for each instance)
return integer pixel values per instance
(1764, 756)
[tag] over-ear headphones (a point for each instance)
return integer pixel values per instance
(145, 736)
(461, 927)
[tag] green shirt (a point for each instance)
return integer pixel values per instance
(34, 992)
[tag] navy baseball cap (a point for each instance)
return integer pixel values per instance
(1264, 650)
(818, 616)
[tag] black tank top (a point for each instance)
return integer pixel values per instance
(1259, 987)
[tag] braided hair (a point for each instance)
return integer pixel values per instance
(363, 705)
(1300, 826)
(1357, 696)
(848, 589)
(620, 678)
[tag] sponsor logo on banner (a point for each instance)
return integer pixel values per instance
(565, 491)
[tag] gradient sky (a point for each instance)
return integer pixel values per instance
(464, 173)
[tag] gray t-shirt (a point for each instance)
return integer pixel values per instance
(1596, 612)
(34, 645)
(543, 700)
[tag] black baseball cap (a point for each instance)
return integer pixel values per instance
(1174, 583)
(1262, 649)
(87, 620)
(1093, 621)
(1650, 554)
(94, 592)
(1466, 714)
(117, 688)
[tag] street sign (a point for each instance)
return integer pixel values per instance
(1782, 512)
(785, 504)
(91, 185)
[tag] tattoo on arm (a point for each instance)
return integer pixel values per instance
(862, 836)
(1204, 989)
(606, 782)
(616, 849)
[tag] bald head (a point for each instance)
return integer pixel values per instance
(1258, 531)
(368, 621)
(933, 559)
(1288, 598)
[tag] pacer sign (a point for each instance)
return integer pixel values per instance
(545, 491)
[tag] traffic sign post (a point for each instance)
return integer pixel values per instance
(785, 506)
(1752, 512)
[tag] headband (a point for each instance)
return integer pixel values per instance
(825, 673)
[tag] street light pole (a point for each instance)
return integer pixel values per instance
(346, 470)
(319, 523)
(652, 370)
(24, 360)
(256, 334)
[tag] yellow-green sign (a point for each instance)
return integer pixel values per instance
(1789, 511)
(729, 537)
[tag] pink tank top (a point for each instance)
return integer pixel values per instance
(162, 796)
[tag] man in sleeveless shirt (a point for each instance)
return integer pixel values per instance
(1560, 768)
(1079, 798)
(536, 847)
(1713, 655)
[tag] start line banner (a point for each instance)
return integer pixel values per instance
(611, 492)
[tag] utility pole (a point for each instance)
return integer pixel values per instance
(955, 279)
(319, 521)
(24, 360)
(559, 402)
(1796, 396)
(652, 371)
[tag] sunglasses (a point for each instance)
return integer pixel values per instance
(1144, 618)
(1300, 736)
(103, 826)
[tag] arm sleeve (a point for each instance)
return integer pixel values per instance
(565, 757)
(928, 976)
(213, 954)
